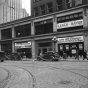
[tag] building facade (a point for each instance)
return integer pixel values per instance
(43, 7)
(34, 35)
(10, 10)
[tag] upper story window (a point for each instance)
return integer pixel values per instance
(50, 7)
(78, 2)
(68, 3)
(42, 9)
(59, 5)
(71, 17)
(36, 0)
(6, 34)
(36, 11)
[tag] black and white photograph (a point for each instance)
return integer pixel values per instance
(43, 43)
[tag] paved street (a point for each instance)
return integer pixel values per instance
(39, 74)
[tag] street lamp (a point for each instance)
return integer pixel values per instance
(54, 40)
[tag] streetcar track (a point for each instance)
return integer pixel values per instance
(34, 84)
(4, 82)
(57, 68)
(33, 77)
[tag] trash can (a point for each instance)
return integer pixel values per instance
(64, 56)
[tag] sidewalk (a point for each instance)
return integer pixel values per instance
(61, 59)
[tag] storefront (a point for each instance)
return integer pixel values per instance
(70, 45)
(44, 46)
(6, 46)
(24, 47)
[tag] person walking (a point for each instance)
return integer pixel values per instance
(85, 55)
(77, 55)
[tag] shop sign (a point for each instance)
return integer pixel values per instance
(23, 45)
(70, 39)
(70, 24)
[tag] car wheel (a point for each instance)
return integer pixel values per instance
(38, 58)
(2, 60)
(52, 58)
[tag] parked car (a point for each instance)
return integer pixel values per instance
(2, 56)
(49, 56)
(15, 56)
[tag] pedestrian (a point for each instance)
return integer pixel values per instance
(77, 55)
(85, 55)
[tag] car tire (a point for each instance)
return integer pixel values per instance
(52, 58)
(2, 60)
(38, 58)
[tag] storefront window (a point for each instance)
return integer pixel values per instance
(6, 34)
(44, 27)
(7, 47)
(23, 30)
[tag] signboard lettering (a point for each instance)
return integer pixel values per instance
(70, 24)
(70, 39)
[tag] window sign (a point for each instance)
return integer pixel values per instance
(70, 24)
(73, 51)
(61, 47)
(70, 39)
(67, 47)
(80, 46)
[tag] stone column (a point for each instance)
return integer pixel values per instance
(33, 49)
(32, 28)
(13, 36)
(13, 32)
(54, 23)
(85, 26)
(0, 39)
(13, 47)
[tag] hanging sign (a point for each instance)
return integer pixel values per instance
(70, 24)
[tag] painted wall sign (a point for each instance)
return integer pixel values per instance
(70, 24)
(70, 39)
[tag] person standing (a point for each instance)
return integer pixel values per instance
(77, 55)
(84, 55)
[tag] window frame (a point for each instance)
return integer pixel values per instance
(79, 3)
(36, 12)
(42, 10)
(61, 5)
(68, 3)
(48, 9)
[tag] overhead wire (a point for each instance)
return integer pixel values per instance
(7, 11)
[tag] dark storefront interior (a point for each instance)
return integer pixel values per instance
(44, 47)
(25, 52)
(6, 33)
(6, 46)
(71, 48)
(23, 30)
(44, 27)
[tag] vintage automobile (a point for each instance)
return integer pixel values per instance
(2, 56)
(49, 56)
(14, 56)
